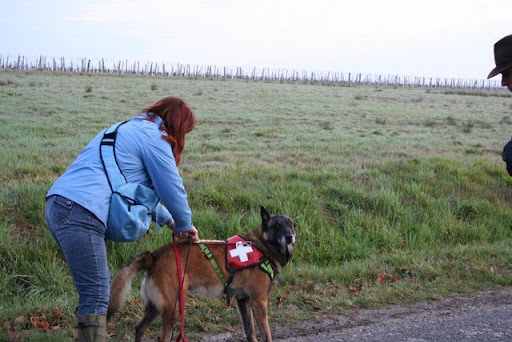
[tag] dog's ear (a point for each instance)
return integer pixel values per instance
(265, 217)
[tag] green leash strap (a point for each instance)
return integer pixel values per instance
(214, 263)
(266, 266)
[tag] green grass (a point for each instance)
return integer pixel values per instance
(399, 193)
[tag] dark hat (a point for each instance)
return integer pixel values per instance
(502, 55)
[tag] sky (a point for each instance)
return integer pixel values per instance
(433, 38)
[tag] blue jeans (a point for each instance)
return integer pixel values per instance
(81, 237)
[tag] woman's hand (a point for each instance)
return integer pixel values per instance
(191, 234)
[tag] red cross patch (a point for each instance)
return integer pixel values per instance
(241, 254)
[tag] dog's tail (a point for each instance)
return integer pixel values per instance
(122, 283)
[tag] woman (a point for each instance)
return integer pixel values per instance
(148, 150)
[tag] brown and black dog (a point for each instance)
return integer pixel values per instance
(249, 286)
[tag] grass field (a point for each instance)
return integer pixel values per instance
(400, 194)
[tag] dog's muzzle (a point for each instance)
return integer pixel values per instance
(287, 245)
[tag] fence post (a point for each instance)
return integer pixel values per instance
(40, 64)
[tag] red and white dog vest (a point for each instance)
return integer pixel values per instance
(241, 254)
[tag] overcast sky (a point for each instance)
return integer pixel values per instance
(432, 38)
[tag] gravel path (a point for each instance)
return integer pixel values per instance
(484, 316)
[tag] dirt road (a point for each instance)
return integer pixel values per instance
(484, 316)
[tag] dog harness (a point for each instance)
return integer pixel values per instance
(239, 254)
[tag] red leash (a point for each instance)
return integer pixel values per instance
(181, 336)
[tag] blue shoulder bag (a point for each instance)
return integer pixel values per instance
(131, 204)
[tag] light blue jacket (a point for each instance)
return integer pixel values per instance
(144, 157)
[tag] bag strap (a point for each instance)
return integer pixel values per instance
(108, 157)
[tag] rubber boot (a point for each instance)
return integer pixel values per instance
(92, 328)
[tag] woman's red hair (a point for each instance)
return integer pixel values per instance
(178, 120)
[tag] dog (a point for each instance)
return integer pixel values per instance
(250, 286)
